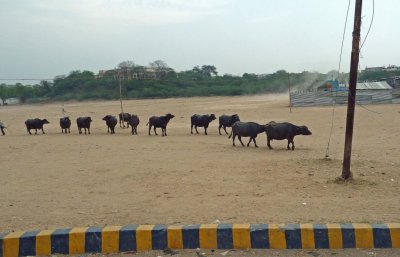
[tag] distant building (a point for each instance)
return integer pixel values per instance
(392, 68)
(138, 72)
(393, 81)
(383, 68)
(10, 101)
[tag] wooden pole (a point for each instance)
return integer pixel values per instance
(290, 96)
(120, 99)
(355, 54)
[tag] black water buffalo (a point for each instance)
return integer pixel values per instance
(160, 122)
(227, 121)
(65, 124)
(35, 124)
(201, 121)
(134, 122)
(83, 123)
(111, 122)
(124, 116)
(2, 127)
(284, 130)
(246, 129)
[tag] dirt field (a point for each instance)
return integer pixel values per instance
(57, 180)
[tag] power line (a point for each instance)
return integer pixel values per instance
(366, 36)
(338, 74)
(370, 25)
(340, 59)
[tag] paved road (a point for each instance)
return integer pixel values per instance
(269, 253)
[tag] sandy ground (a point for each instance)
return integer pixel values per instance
(57, 180)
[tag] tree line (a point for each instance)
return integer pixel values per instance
(158, 80)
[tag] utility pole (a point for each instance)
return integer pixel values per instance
(290, 96)
(120, 98)
(355, 53)
(121, 74)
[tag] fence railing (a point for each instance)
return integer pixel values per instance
(321, 98)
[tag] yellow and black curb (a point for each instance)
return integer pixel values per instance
(114, 239)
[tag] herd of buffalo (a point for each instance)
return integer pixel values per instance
(273, 130)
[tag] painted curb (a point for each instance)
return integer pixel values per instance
(114, 239)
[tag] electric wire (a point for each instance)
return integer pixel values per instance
(338, 74)
(370, 24)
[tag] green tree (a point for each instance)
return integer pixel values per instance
(3, 93)
(161, 68)
(209, 70)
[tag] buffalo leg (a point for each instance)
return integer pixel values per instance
(149, 130)
(219, 129)
(269, 143)
(195, 127)
(225, 130)
(291, 141)
(254, 140)
(43, 131)
(2, 131)
(165, 131)
(233, 139)
(155, 132)
(248, 144)
(88, 129)
(205, 130)
(35, 131)
(240, 139)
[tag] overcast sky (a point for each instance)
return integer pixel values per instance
(45, 38)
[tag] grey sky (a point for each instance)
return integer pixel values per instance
(45, 38)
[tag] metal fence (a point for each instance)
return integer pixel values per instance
(321, 98)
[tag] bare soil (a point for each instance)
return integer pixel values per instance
(62, 180)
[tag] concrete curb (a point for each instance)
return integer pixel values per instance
(114, 239)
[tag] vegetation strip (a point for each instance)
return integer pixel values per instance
(114, 239)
